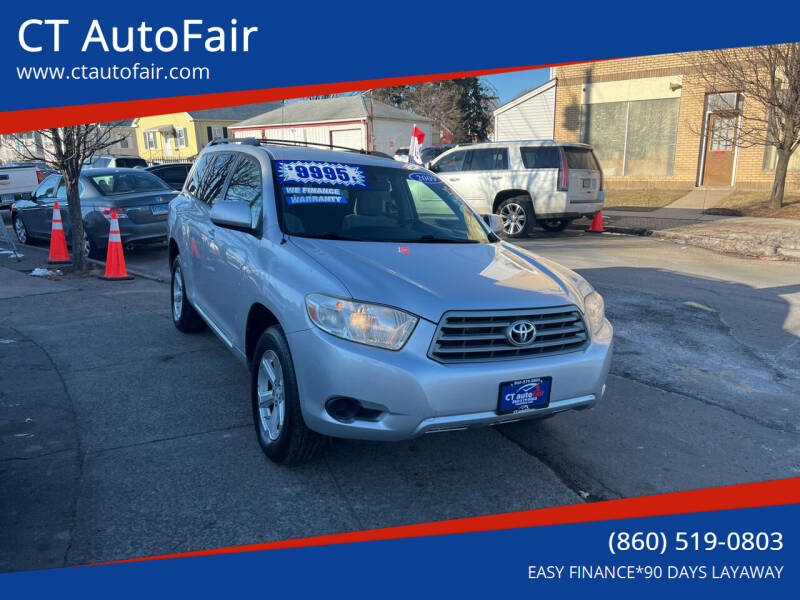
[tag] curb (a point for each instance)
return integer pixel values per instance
(95, 261)
(746, 246)
(640, 231)
(135, 272)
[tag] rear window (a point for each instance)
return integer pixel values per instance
(543, 157)
(131, 162)
(128, 183)
(580, 158)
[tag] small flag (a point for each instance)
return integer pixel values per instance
(417, 137)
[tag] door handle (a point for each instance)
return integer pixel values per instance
(495, 178)
(454, 179)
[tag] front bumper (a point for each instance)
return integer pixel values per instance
(414, 394)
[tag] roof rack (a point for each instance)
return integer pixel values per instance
(251, 141)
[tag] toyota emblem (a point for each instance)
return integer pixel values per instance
(521, 333)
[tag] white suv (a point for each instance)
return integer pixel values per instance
(548, 182)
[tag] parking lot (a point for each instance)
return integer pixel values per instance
(120, 437)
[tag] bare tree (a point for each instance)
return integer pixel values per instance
(769, 79)
(65, 149)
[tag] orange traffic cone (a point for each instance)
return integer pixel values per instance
(115, 261)
(58, 243)
(597, 223)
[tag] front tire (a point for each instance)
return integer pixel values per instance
(517, 214)
(280, 429)
(553, 225)
(21, 231)
(184, 316)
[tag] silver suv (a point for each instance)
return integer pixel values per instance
(369, 301)
(549, 183)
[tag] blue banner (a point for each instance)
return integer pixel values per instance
(724, 554)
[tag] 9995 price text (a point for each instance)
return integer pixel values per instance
(659, 541)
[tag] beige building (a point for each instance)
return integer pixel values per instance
(654, 123)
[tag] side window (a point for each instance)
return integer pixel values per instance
(47, 189)
(246, 186)
(100, 163)
(61, 192)
(217, 175)
(543, 157)
(490, 159)
(193, 183)
(208, 178)
(451, 162)
(175, 175)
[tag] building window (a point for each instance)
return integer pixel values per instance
(125, 141)
(633, 138)
(180, 138)
(150, 140)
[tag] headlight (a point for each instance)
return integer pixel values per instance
(595, 308)
(370, 324)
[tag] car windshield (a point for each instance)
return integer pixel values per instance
(332, 200)
(129, 182)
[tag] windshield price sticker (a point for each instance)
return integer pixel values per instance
(425, 178)
(313, 195)
(307, 171)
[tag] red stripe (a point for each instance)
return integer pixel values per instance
(43, 118)
(768, 493)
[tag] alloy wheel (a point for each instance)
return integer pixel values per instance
(271, 395)
(19, 229)
(513, 216)
(177, 294)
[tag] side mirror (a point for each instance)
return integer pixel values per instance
(232, 215)
(495, 222)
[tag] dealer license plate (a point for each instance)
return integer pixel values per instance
(159, 209)
(524, 394)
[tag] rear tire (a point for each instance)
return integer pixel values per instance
(184, 316)
(553, 225)
(517, 214)
(90, 246)
(280, 428)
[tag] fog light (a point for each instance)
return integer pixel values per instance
(342, 409)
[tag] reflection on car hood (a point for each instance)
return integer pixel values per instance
(430, 279)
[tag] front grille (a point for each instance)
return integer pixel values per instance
(464, 336)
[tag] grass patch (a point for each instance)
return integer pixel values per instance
(756, 204)
(642, 200)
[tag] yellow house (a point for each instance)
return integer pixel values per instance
(180, 136)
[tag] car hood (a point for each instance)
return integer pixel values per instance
(430, 279)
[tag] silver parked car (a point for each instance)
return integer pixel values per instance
(369, 301)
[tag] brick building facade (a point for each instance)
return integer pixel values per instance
(654, 124)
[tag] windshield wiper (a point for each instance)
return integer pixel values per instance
(429, 239)
(328, 235)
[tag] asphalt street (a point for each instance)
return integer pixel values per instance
(121, 437)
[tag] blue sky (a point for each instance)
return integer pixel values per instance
(509, 85)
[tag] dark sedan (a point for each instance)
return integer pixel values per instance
(174, 174)
(140, 198)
